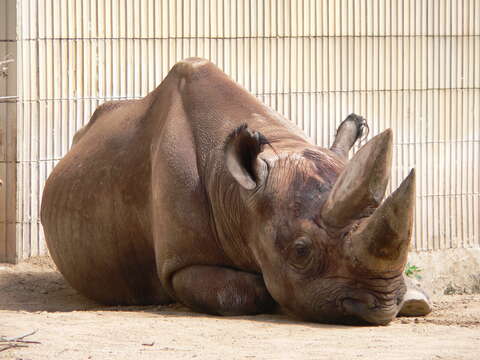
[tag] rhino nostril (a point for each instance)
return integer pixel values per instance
(372, 305)
(367, 300)
(354, 306)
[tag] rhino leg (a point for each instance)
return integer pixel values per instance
(349, 131)
(222, 291)
(416, 302)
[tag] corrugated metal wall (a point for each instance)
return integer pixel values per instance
(411, 65)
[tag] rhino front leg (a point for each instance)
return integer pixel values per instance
(416, 302)
(349, 131)
(222, 291)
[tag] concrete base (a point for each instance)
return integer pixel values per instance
(448, 271)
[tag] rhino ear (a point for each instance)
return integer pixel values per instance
(241, 148)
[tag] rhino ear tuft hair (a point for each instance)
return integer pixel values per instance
(241, 150)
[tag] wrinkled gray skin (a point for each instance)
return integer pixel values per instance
(201, 194)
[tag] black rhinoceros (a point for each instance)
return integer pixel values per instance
(201, 194)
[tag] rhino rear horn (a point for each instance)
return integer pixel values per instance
(381, 242)
(241, 149)
(361, 186)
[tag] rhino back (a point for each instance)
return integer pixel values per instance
(95, 209)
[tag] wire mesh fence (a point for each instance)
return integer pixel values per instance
(412, 65)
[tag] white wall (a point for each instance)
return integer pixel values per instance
(411, 65)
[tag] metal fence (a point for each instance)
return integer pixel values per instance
(412, 65)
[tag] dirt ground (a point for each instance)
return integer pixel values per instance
(35, 297)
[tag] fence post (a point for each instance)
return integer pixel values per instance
(9, 246)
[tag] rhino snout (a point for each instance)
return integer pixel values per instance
(368, 309)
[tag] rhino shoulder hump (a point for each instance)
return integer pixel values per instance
(191, 66)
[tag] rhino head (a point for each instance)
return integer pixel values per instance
(329, 248)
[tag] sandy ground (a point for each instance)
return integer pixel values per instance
(34, 297)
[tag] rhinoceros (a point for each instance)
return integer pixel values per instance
(201, 194)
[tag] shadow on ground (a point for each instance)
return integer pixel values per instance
(25, 288)
(39, 291)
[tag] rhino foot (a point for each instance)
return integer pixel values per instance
(415, 303)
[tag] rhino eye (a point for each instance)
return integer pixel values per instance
(300, 253)
(301, 250)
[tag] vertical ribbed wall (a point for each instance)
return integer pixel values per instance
(410, 65)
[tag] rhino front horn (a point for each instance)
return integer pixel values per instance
(361, 186)
(381, 242)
